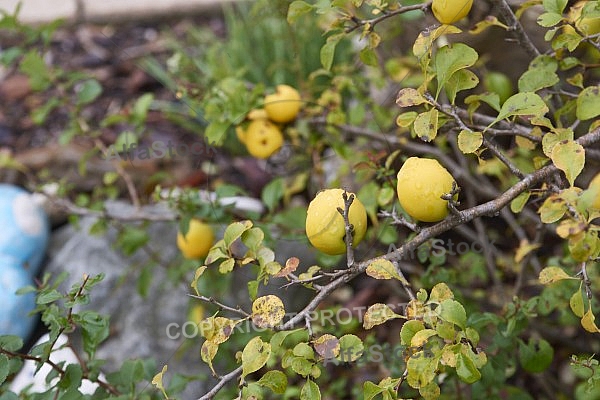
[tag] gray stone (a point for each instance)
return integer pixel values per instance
(138, 325)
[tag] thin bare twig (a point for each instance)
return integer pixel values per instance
(236, 310)
(371, 23)
(223, 380)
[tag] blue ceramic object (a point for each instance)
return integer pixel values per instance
(24, 232)
(24, 229)
(14, 309)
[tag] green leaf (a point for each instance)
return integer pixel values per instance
(461, 80)
(368, 56)
(310, 391)
(351, 348)
(234, 231)
(11, 342)
(278, 338)
(297, 9)
(409, 329)
(327, 52)
(569, 157)
(255, 355)
(4, 364)
(421, 369)
(541, 74)
(426, 125)
(588, 103)
(466, 369)
(452, 311)
(253, 239)
(450, 59)
(526, 103)
(141, 107)
(39, 114)
(519, 202)
(370, 390)
(88, 91)
(535, 356)
(35, 68)
(549, 19)
(273, 192)
(555, 6)
(469, 141)
(131, 239)
(48, 296)
(274, 380)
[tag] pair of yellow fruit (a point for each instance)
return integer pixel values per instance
(421, 183)
(263, 137)
(451, 11)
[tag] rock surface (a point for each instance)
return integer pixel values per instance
(138, 325)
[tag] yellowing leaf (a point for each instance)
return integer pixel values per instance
(568, 228)
(208, 352)
(469, 141)
(524, 248)
(327, 346)
(217, 329)
(552, 274)
(158, 379)
(267, 311)
(440, 292)
(426, 125)
(197, 275)
(552, 209)
(550, 139)
(377, 314)
(588, 103)
(587, 321)
(421, 337)
(481, 26)
(255, 355)
(576, 303)
(569, 157)
(409, 97)
(383, 269)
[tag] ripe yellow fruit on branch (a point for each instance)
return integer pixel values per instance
(283, 106)
(421, 183)
(451, 11)
(262, 138)
(325, 227)
(197, 241)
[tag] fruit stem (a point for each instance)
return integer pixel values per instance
(348, 199)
